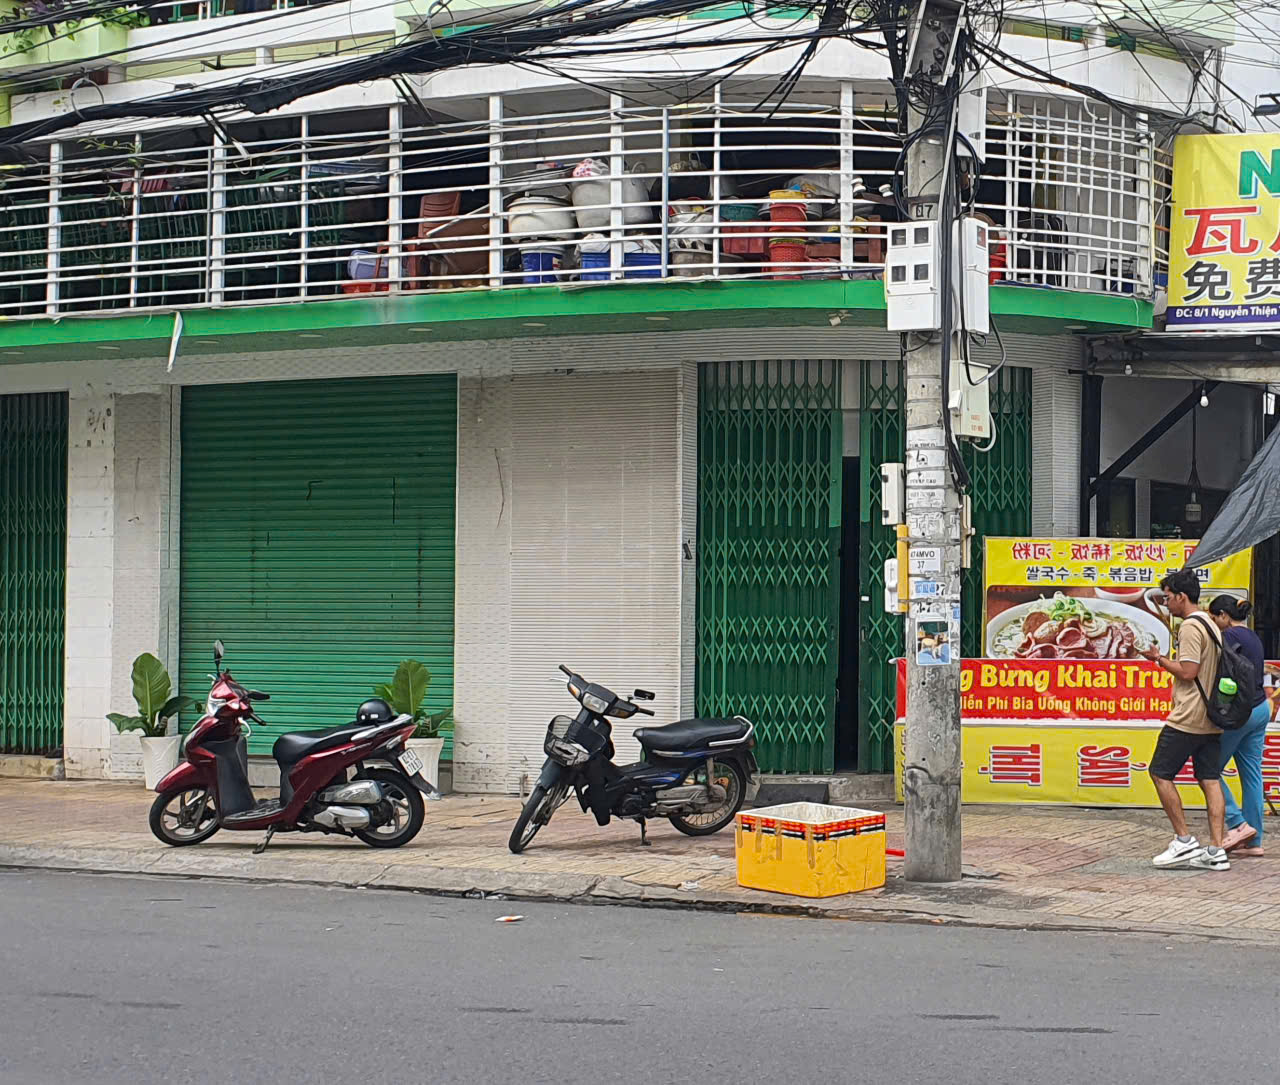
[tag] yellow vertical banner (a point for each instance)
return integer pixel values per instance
(1224, 233)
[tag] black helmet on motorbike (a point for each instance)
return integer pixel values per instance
(374, 710)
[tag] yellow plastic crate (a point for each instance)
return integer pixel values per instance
(808, 849)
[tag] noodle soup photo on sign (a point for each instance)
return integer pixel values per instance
(1082, 625)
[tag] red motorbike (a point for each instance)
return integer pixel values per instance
(356, 780)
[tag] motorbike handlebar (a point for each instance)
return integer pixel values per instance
(566, 670)
(642, 711)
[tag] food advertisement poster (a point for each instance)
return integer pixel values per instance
(1088, 599)
(1224, 248)
(1072, 732)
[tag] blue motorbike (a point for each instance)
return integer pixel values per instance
(695, 773)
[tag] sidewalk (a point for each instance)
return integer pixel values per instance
(1027, 867)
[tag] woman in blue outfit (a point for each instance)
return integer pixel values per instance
(1244, 827)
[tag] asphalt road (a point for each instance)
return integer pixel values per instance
(108, 980)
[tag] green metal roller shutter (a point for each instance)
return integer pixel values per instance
(318, 540)
(33, 561)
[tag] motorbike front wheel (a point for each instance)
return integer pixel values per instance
(536, 813)
(728, 775)
(406, 814)
(184, 817)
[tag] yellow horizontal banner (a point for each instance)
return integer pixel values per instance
(1081, 766)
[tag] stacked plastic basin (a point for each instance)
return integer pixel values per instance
(788, 214)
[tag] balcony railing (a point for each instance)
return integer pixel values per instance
(383, 201)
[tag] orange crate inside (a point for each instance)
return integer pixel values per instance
(741, 245)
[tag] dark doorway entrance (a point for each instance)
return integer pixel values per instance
(850, 630)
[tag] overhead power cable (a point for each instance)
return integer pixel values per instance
(562, 32)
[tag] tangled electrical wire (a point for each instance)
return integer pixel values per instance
(568, 30)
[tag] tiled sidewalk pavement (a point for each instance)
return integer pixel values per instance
(1028, 866)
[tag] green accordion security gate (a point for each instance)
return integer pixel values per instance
(882, 437)
(33, 549)
(769, 463)
(1001, 493)
(1001, 488)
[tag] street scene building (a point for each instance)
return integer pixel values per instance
(508, 365)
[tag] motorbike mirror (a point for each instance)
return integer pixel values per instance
(643, 695)
(219, 650)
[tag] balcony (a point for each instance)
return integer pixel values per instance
(372, 202)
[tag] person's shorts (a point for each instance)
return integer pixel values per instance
(1174, 748)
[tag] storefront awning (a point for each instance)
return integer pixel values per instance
(1251, 512)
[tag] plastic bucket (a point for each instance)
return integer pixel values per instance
(594, 261)
(643, 265)
(535, 263)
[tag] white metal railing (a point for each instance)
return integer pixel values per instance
(381, 200)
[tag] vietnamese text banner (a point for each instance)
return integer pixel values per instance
(1123, 564)
(1224, 246)
(1071, 690)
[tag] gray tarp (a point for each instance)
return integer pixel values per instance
(1251, 512)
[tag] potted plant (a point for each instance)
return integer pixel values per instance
(151, 689)
(406, 693)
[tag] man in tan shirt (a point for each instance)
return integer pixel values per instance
(1187, 733)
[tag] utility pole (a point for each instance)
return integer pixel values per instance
(931, 770)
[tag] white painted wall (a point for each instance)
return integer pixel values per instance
(90, 567)
(144, 581)
(482, 597)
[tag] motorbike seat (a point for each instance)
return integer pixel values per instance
(690, 734)
(293, 746)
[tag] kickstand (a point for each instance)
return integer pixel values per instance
(271, 831)
(644, 839)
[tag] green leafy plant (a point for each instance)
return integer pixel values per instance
(406, 693)
(151, 689)
(40, 21)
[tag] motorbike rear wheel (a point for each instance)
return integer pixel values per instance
(536, 813)
(185, 816)
(729, 776)
(408, 811)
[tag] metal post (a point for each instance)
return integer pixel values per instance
(716, 189)
(931, 771)
(666, 191)
(617, 166)
(55, 222)
(135, 224)
(496, 261)
(846, 177)
(304, 191)
(1144, 214)
(1090, 446)
(217, 247)
(395, 196)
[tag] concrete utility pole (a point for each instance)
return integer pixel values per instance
(931, 776)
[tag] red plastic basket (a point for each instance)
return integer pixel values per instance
(783, 252)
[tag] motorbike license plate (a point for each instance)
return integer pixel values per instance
(410, 762)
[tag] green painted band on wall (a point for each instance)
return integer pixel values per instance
(569, 310)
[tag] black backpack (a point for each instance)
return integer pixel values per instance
(1229, 712)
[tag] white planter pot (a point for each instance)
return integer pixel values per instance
(429, 750)
(159, 758)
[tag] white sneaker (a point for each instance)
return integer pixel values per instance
(1178, 853)
(1210, 860)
